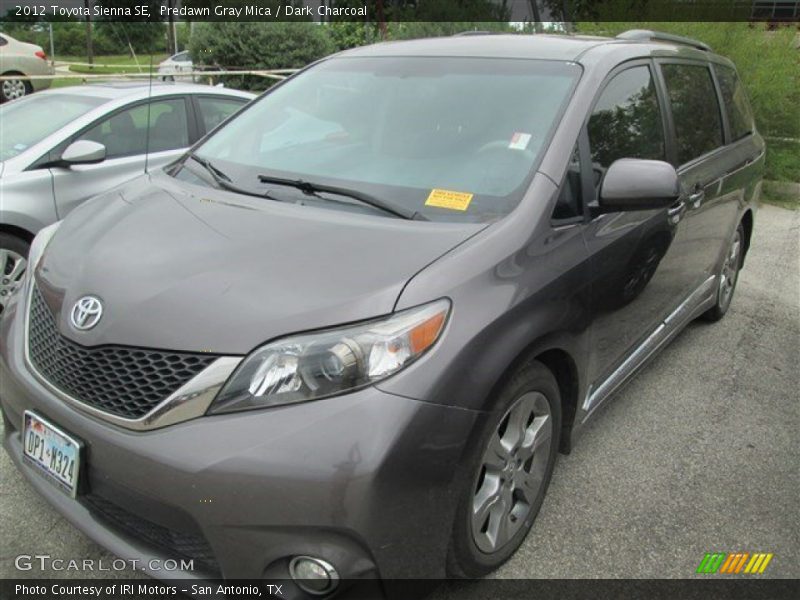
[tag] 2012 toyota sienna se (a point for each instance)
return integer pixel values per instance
(347, 334)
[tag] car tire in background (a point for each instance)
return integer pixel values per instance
(11, 89)
(728, 276)
(510, 474)
(13, 262)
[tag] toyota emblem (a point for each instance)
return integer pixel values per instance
(86, 313)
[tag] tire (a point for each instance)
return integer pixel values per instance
(11, 89)
(484, 538)
(13, 262)
(728, 276)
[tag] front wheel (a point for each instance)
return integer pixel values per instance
(510, 477)
(728, 276)
(13, 262)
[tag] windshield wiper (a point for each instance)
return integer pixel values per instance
(313, 189)
(225, 182)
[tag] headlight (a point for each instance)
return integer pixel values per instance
(39, 244)
(327, 363)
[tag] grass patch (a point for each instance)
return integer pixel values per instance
(114, 64)
(783, 161)
(782, 194)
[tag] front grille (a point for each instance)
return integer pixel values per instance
(173, 544)
(123, 381)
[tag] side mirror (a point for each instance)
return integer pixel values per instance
(638, 184)
(83, 152)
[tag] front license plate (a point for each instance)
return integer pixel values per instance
(52, 452)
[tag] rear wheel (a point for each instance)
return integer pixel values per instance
(11, 89)
(13, 262)
(510, 477)
(728, 276)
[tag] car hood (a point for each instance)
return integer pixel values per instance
(185, 267)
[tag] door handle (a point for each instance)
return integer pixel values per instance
(697, 197)
(675, 212)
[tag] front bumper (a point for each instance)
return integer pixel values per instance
(365, 481)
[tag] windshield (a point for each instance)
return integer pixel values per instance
(28, 121)
(449, 138)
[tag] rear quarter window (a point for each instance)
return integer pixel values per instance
(737, 106)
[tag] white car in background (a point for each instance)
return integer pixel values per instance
(173, 68)
(19, 58)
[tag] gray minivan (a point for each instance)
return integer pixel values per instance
(348, 333)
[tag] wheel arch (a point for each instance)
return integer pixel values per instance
(16, 231)
(562, 364)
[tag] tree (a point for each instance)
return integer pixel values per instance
(258, 46)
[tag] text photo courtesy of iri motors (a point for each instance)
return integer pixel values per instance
(399, 299)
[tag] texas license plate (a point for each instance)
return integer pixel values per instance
(52, 452)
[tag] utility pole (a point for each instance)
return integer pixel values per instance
(89, 47)
(172, 41)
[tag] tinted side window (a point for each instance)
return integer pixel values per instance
(125, 133)
(737, 106)
(626, 122)
(215, 110)
(695, 110)
(3, 41)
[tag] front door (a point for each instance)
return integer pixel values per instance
(642, 262)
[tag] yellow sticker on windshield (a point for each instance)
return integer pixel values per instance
(448, 199)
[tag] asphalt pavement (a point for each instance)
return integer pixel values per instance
(699, 453)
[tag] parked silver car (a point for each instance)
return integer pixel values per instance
(63, 146)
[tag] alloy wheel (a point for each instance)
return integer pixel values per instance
(13, 89)
(730, 271)
(512, 472)
(12, 269)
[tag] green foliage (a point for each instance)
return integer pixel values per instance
(183, 33)
(447, 12)
(258, 45)
(118, 34)
(646, 10)
(422, 29)
(349, 34)
(783, 160)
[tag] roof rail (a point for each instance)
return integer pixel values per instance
(646, 35)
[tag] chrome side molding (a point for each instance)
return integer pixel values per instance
(665, 330)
